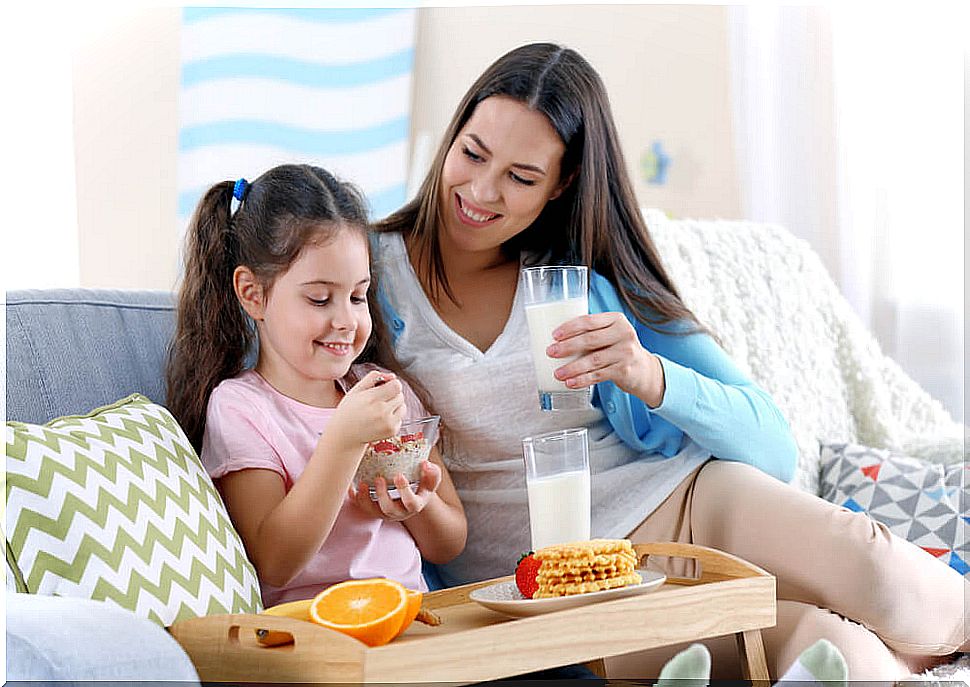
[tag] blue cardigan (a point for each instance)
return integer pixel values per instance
(707, 397)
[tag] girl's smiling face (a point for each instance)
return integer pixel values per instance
(499, 173)
(314, 321)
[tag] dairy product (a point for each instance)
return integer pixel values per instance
(543, 318)
(559, 508)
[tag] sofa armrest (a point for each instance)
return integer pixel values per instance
(62, 638)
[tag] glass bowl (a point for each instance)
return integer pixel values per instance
(399, 454)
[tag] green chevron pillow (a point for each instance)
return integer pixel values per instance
(115, 506)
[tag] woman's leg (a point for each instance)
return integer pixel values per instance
(670, 522)
(830, 557)
(741, 510)
(799, 626)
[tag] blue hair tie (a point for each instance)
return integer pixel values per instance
(239, 190)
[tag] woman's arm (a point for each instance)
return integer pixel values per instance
(718, 406)
(654, 385)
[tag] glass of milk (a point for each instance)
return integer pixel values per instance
(553, 295)
(557, 481)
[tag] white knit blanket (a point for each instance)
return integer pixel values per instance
(778, 313)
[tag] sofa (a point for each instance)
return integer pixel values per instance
(762, 291)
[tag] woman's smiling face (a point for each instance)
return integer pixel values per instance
(500, 171)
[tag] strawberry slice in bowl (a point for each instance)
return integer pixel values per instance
(385, 446)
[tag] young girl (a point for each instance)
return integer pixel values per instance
(289, 267)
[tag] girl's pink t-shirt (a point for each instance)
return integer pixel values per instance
(249, 424)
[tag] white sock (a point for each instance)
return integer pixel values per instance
(690, 668)
(821, 662)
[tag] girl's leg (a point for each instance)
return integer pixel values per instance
(799, 626)
(827, 556)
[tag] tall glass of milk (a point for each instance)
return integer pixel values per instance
(554, 294)
(557, 481)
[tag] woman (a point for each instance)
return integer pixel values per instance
(683, 446)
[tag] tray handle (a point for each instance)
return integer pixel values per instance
(225, 647)
(714, 565)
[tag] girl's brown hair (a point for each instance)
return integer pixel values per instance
(281, 212)
(595, 221)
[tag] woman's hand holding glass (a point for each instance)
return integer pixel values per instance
(410, 502)
(608, 350)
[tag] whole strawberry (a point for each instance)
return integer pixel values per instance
(525, 574)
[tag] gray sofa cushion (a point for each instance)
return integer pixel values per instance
(72, 350)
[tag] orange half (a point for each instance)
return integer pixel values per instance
(372, 610)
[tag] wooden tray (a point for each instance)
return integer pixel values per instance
(473, 643)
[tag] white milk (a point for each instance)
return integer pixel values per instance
(543, 318)
(559, 508)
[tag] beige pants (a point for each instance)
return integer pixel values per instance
(884, 602)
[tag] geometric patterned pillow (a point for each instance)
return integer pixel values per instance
(115, 506)
(925, 503)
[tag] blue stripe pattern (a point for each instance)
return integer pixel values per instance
(308, 141)
(382, 203)
(299, 72)
(385, 202)
(219, 139)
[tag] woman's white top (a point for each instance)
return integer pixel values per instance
(488, 403)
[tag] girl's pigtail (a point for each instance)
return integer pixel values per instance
(212, 332)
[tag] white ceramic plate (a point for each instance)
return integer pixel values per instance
(505, 597)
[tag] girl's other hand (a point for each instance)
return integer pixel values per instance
(608, 350)
(410, 502)
(372, 410)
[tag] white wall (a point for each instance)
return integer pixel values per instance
(37, 181)
(665, 67)
(126, 80)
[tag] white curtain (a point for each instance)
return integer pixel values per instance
(849, 126)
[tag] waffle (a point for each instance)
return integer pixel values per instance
(588, 566)
(569, 588)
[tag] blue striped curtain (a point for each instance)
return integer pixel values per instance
(262, 87)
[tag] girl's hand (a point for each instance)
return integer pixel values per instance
(608, 350)
(411, 502)
(372, 410)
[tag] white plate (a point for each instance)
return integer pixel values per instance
(505, 597)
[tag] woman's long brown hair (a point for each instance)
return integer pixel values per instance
(595, 222)
(281, 212)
